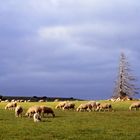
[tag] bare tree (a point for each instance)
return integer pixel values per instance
(124, 86)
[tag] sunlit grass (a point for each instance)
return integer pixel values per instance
(71, 125)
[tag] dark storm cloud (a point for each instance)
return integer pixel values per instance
(66, 48)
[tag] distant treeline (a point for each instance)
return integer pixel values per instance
(36, 98)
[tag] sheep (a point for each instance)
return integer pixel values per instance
(97, 103)
(56, 100)
(6, 101)
(69, 105)
(112, 99)
(11, 105)
(2, 101)
(41, 101)
(118, 99)
(84, 107)
(126, 98)
(18, 111)
(61, 105)
(13, 100)
(47, 110)
(94, 104)
(37, 117)
(104, 106)
(32, 110)
(135, 105)
(21, 100)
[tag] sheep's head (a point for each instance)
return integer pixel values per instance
(130, 107)
(27, 114)
(6, 107)
(37, 117)
(78, 109)
(57, 107)
(98, 108)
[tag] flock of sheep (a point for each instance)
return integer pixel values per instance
(89, 106)
(37, 112)
(92, 106)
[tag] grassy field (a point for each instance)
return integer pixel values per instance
(71, 125)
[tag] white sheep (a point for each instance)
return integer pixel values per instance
(69, 105)
(56, 100)
(37, 117)
(13, 100)
(135, 105)
(6, 101)
(41, 101)
(61, 105)
(104, 107)
(11, 105)
(47, 110)
(94, 104)
(18, 111)
(21, 100)
(84, 107)
(32, 110)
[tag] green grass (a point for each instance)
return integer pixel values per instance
(71, 125)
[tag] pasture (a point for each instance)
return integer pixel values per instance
(71, 125)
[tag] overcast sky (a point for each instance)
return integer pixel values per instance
(66, 48)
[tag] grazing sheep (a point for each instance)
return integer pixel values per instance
(37, 117)
(104, 106)
(84, 107)
(61, 105)
(21, 100)
(69, 105)
(2, 101)
(41, 101)
(13, 100)
(112, 99)
(47, 110)
(94, 104)
(6, 101)
(126, 98)
(97, 103)
(32, 110)
(118, 99)
(11, 105)
(135, 105)
(18, 111)
(56, 100)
